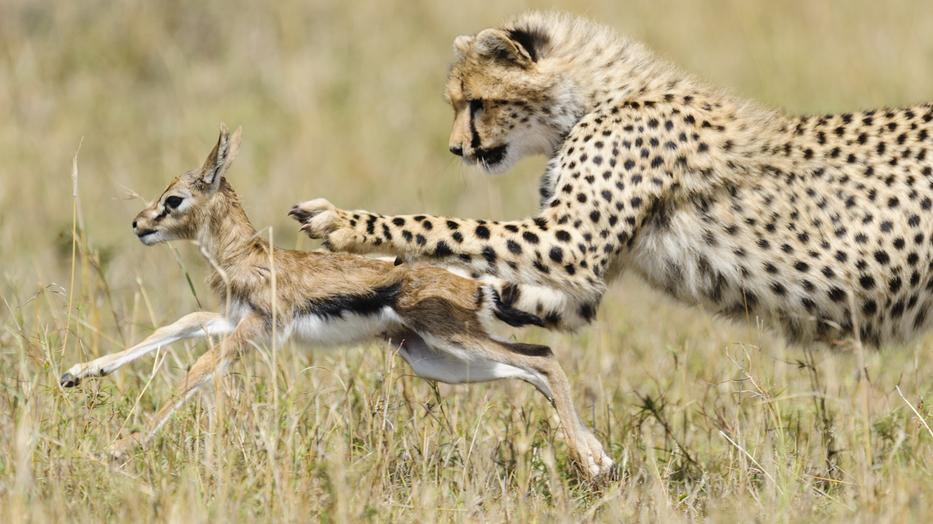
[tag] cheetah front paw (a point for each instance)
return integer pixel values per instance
(322, 220)
(319, 218)
(305, 211)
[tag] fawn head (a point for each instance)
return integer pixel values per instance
(186, 204)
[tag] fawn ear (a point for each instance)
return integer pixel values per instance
(212, 172)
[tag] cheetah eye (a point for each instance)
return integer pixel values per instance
(475, 106)
(173, 201)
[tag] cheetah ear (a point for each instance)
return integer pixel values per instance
(532, 41)
(497, 45)
(226, 149)
(517, 46)
(462, 45)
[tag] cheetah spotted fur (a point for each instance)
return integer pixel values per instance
(820, 226)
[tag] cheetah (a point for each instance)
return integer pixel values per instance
(818, 226)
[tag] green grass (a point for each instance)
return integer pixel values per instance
(709, 420)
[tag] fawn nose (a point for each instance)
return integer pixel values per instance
(134, 224)
(457, 150)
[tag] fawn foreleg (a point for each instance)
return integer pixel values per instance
(209, 366)
(192, 325)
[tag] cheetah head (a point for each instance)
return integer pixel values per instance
(503, 97)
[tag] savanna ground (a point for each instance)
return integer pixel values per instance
(708, 420)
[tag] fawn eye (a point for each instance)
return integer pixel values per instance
(173, 202)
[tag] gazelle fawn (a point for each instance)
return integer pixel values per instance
(436, 319)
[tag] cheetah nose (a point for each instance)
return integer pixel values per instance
(457, 150)
(134, 224)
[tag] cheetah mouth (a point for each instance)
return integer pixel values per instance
(490, 157)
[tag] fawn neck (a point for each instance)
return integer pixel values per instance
(226, 234)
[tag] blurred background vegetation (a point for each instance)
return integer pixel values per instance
(344, 100)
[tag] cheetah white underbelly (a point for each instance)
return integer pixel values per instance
(673, 256)
(696, 262)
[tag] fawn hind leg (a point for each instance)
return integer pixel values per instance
(192, 325)
(540, 362)
(483, 359)
(209, 366)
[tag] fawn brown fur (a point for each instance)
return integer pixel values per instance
(438, 320)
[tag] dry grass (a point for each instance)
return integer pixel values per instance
(709, 421)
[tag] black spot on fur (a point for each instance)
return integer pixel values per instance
(510, 294)
(490, 255)
(442, 249)
(588, 311)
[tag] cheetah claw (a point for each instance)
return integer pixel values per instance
(305, 211)
(323, 224)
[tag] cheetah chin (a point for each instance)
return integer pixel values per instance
(493, 160)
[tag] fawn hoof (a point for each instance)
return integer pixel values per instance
(121, 449)
(69, 381)
(598, 468)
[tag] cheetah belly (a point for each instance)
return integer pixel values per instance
(678, 255)
(672, 256)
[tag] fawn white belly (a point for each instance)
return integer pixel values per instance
(342, 329)
(436, 359)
